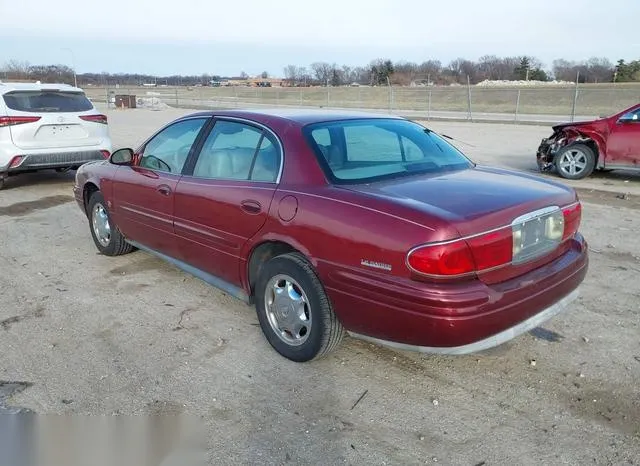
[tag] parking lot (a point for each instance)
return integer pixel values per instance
(133, 335)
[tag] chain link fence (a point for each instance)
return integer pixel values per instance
(523, 104)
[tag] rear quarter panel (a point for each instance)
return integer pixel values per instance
(340, 231)
(99, 174)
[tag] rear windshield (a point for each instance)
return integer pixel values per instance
(373, 149)
(47, 101)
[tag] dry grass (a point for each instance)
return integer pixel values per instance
(592, 99)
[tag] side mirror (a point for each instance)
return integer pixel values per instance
(122, 157)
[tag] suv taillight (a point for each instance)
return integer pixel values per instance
(17, 120)
(95, 118)
(523, 240)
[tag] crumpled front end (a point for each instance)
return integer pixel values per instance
(548, 149)
(564, 135)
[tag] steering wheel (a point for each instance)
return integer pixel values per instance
(160, 164)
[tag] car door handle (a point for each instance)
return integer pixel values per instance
(164, 189)
(251, 207)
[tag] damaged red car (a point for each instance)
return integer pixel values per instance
(575, 150)
(343, 222)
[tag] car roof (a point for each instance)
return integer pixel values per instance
(301, 116)
(36, 86)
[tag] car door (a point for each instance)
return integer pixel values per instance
(623, 143)
(143, 194)
(223, 199)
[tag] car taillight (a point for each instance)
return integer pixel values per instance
(448, 259)
(105, 154)
(95, 118)
(527, 238)
(463, 256)
(492, 249)
(17, 120)
(572, 217)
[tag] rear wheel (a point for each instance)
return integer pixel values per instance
(293, 309)
(2, 182)
(575, 162)
(105, 233)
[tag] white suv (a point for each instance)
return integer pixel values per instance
(48, 126)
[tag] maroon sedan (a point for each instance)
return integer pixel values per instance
(344, 222)
(575, 150)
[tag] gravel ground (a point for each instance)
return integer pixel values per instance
(88, 334)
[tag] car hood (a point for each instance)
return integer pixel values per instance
(472, 200)
(575, 123)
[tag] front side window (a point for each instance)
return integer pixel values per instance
(168, 150)
(238, 151)
(372, 149)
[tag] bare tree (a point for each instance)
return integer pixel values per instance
(405, 73)
(322, 71)
(460, 68)
(429, 71)
(291, 74)
(600, 70)
(15, 69)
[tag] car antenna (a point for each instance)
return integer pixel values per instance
(427, 130)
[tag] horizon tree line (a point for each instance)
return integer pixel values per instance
(381, 71)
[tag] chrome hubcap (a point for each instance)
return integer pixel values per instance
(101, 227)
(288, 310)
(573, 161)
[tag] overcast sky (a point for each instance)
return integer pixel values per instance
(226, 37)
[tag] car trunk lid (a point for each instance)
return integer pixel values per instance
(476, 201)
(59, 122)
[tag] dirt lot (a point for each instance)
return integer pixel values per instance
(132, 335)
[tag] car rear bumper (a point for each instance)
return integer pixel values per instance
(46, 160)
(489, 342)
(455, 318)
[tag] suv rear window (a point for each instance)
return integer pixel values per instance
(47, 101)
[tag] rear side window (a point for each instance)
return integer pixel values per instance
(47, 101)
(238, 151)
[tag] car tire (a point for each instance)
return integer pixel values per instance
(294, 311)
(2, 182)
(104, 232)
(575, 162)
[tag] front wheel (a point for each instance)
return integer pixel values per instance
(293, 310)
(106, 235)
(575, 162)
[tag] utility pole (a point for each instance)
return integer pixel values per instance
(73, 66)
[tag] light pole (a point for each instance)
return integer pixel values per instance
(73, 66)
